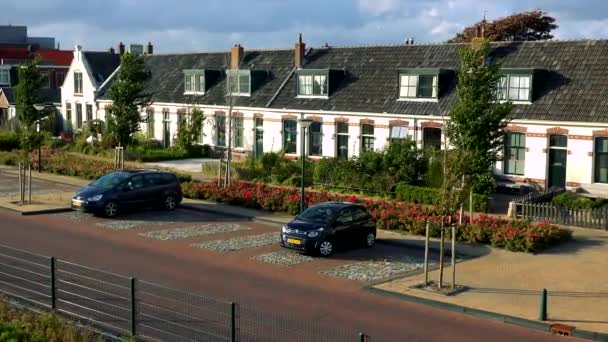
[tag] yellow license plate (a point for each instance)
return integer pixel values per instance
(76, 203)
(294, 241)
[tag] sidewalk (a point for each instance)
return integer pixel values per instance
(510, 283)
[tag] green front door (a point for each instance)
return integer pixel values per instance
(259, 137)
(558, 155)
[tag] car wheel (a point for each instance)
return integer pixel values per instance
(170, 203)
(370, 240)
(110, 209)
(326, 248)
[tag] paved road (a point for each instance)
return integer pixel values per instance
(298, 293)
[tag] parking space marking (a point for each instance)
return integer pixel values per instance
(239, 243)
(374, 270)
(284, 258)
(194, 231)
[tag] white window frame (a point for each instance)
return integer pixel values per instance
(78, 86)
(409, 87)
(306, 85)
(506, 88)
(403, 133)
(7, 72)
(365, 136)
(196, 80)
(235, 75)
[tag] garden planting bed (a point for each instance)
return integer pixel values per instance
(513, 235)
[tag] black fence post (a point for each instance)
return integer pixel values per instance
(232, 322)
(53, 288)
(133, 309)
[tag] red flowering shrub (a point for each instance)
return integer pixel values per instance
(390, 215)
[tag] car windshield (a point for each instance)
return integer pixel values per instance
(322, 214)
(110, 180)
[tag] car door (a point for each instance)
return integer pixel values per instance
(344, 225)
(154, 187)
(133, 193)
(360, 223)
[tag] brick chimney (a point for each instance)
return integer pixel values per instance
(121, 48)
(236, 56)
(149, 49)
(299, 52)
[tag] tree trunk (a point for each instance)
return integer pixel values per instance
(441, 252)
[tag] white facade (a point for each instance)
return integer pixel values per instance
(72, 100)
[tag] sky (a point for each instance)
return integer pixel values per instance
(216, 25)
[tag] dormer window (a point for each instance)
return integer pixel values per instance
(5, 76)
(313, 83)
(194, 82)
(239, 82)
(418, 84)
(515, 85)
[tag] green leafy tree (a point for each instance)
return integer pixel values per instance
(524, 26)
(478, 119)
(26, 96)
(190, 129)
(128, 98)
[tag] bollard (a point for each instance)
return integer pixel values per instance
(543, 305)
(362, 337)
(232, 322)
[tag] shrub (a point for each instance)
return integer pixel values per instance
(572, 200)
(9, 158)
(422, 195)
(9, 141)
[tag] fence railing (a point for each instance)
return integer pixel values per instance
(539, 197)
(586, 218)
(124, 306)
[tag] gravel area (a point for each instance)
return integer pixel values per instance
(115, 224)
(201, 230)
(284, 258)
(239, 243)
(76, 216)
(374, 270)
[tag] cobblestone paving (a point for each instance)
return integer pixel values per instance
(125, 224)
(182, 233)
(284, 258)
(76, 216)
(377, 269)
(236, 244)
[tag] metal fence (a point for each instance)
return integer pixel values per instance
(124, 306)
(586, 218)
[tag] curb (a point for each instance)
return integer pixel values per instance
(522, 322)
(45, 211)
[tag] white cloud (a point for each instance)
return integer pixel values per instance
(377, 7)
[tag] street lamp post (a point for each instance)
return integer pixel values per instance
(39, 108)
(304, 124)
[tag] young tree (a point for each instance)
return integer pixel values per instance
(128, 98)
(531, 25)
(190, 129)
(232, 91)
(26, 96)
(475, 130)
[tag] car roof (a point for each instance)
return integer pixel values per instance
(340, 205)
(136, 171)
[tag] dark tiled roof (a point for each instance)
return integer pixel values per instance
(102, 64)
(571, 86)
(45, 95)
(166, 84)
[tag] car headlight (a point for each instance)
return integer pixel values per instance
(284, 229)
(94, 198)
(312, 234)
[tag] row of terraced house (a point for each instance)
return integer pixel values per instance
(362, 98)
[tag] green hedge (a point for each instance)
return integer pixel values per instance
(422, 195)
(9, 141)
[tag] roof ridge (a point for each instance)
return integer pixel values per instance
(217, 52)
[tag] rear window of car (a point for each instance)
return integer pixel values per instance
(359, 213)
(168, 178)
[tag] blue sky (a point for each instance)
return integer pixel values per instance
(214, 25)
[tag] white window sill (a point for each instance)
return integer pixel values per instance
(323, 97)
(417, 99)
(194, 93)
(240, 94)
(517, 102)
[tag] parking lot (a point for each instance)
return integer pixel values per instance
(244, 242)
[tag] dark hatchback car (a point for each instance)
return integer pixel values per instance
(128, 189)
(322, 227)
